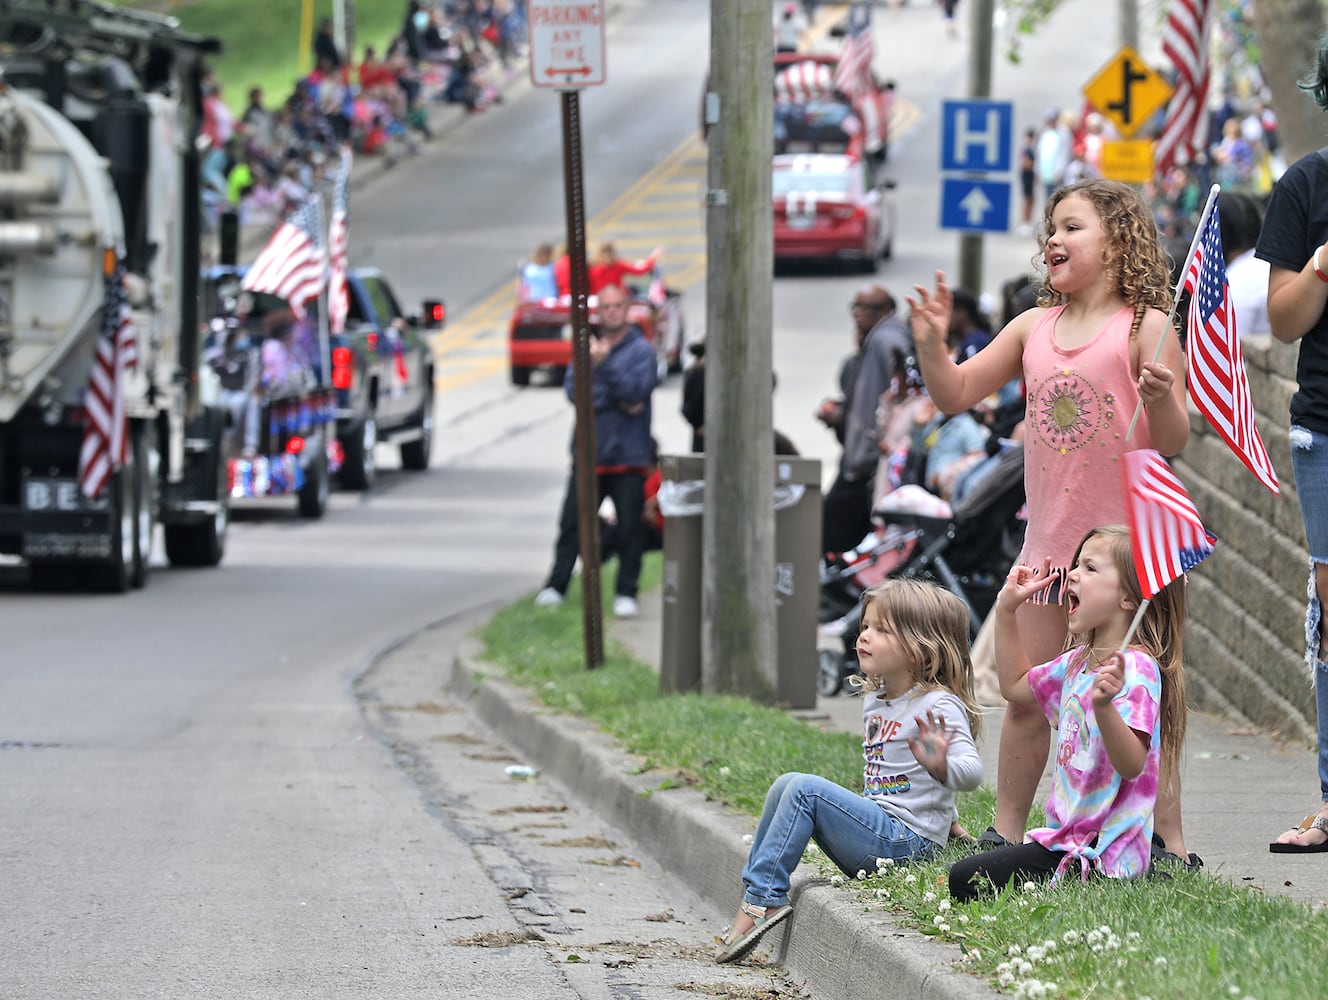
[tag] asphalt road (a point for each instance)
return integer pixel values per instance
(192, 801)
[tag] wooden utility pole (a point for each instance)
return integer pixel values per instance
(738, 533)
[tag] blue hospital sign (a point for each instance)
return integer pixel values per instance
(975, 205)
(977, 136)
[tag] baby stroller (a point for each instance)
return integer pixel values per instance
(967, 549)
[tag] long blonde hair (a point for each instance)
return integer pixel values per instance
(932, 627)
(1160, 634)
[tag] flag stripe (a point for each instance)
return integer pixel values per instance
(106, 425)
(338, 240)
(1185, 43)
(291, 266)
(853, 71)
(1217, 381)
(1166, 534)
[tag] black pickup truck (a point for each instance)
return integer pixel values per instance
(383, 375)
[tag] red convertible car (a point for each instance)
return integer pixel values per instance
(831, 205)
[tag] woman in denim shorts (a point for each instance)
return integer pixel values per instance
(1294, 232)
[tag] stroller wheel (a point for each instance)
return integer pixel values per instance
(829, 677)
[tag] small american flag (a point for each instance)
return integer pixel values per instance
(853, 71)
(338, 239)
(1218, 384)
(1166, 534)
(1185, 43)
(105, 426)
(291, 265)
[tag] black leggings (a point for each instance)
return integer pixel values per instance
(992, 871)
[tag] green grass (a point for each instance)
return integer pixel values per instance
(262, 44)
(1195, 935)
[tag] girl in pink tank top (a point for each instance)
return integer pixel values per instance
(1085, 354)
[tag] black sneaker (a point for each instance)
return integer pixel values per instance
(990, 841)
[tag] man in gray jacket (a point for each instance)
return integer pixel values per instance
(846, 514)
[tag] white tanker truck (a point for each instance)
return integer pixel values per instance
(99, 182)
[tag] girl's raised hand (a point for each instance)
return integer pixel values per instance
(1155, 382)
(1108, 680)
(1022, 582)
(931, 744)
(929, 314)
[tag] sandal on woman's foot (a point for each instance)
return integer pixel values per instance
(1319, 823)
(732, 947)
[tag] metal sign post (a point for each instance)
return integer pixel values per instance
(567, 52)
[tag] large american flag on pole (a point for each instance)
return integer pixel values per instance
(1185, 43)
(291, 266)
(1167, 536)
(105, 425)
(853, 71)
(1218, 384)
(338, 239)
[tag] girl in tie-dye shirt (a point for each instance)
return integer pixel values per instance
(1118, 716)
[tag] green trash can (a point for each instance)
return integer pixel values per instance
(796, 590)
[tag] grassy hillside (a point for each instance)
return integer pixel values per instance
(262, 38)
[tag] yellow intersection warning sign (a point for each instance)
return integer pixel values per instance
(1128, 160)
(1127, 91)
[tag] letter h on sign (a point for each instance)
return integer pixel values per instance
(977, 136)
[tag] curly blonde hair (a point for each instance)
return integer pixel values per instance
(932, 627)
(1133, 257)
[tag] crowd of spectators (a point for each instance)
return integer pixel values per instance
(264, 162)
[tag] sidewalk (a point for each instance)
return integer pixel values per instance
(1241, 789)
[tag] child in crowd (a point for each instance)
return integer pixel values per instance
(919, 716)
(1119, 718)
(537, 280)
(1086, 355)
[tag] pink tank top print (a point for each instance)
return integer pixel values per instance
(1080, 402)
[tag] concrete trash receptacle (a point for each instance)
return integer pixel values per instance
(797, 501)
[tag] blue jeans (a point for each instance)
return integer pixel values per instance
(1309, 461)
(852, 830)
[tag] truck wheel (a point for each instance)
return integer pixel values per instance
(520, 376)
(203, 544)
(358, 471)
(415, 454)
(114, 575)
(145, 505)
(314, 492)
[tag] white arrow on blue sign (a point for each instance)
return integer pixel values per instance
(977, 135)
(982, 206)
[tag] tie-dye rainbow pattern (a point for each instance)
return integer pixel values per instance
(1095, 816)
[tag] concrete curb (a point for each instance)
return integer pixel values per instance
(830, 942)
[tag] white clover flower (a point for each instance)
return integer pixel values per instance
(1003, 967)
(1094, 937)
(942, 927)
(962, 918)
(1049, 946)
(1070, 937)
(1135, 936)
(884, 863)
(812, 849)
(943, 905)
(1233, 990)
(1029, 886)
(938, 921)
(1035, 954)
(862, 875)
(910, 879)
(1105, 931)
(1014, 951)
(1005, 979)
(882, 893)
(975, 955)
(929, 897)
(1097, 949)
(747, 838)
(1160, 961)
(1024, 967)
(837, 879)
(1112, 943)
(724, 771)
(988, 918)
